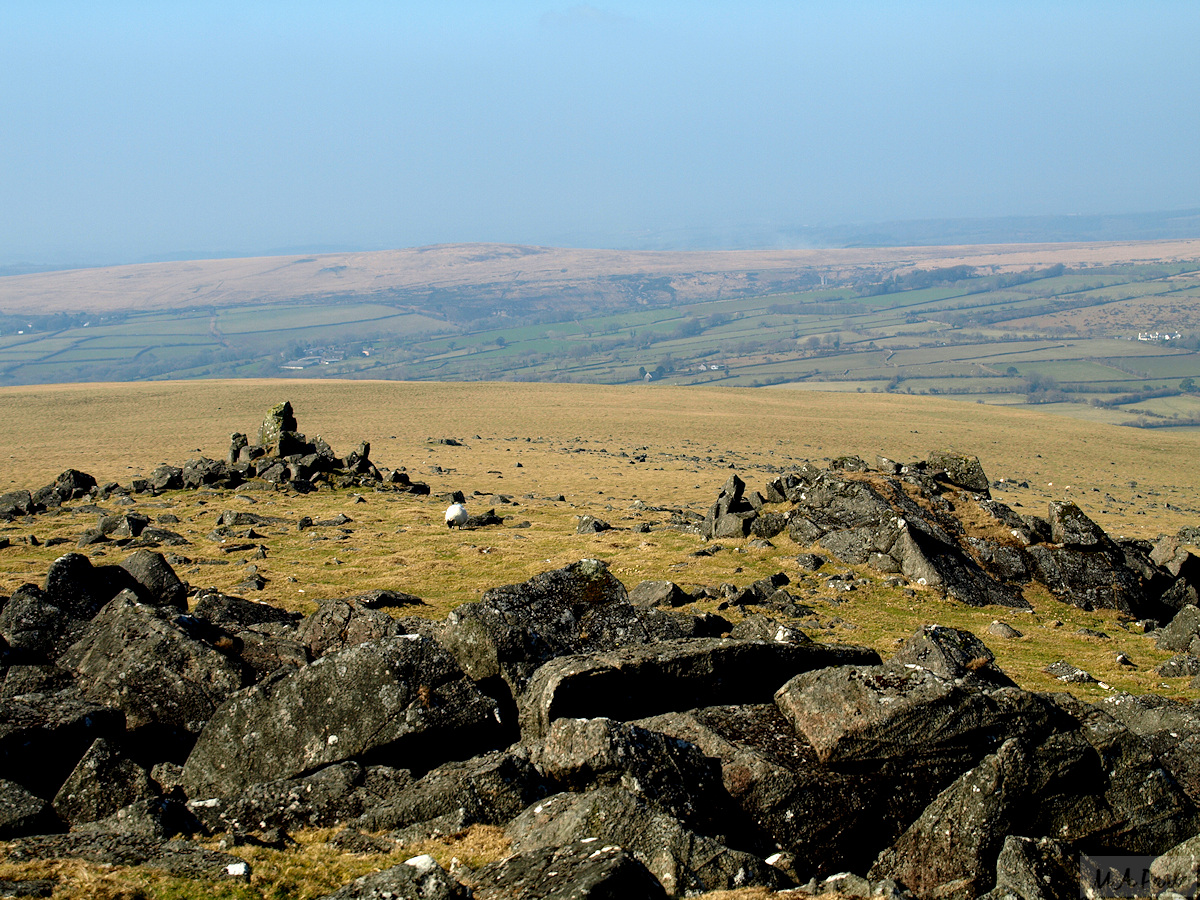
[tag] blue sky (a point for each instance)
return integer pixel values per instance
(132, 131)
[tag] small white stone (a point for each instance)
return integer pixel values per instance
(423, 863)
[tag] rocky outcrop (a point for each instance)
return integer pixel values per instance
(139, 659)
(668, 676)
(341, 792)
(684, 861)
(622, 744)
(934, 523)
(586, 869)
(512, 630)
(420, 878)
(422, 710)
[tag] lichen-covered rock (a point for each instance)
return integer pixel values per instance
(182, 858)
(579, 754)
(586, 869)
(960, 470)
(338, 624)
(419, 878)
(669, 676)
(35, 629)
(1094, 578)
(1178, 869)
(154, 818)
(883, 712)
(16, 503)
(336, 794)
(951, 850)
(21, 812)
(80, 589)
(659, 593)
(489, 789)
(43, 737)
(828, 819)
(155, 581)
(516, 628)
(953, 653)
(35, 679)
(684, 861)
(137, 658)
(1071, 527)
(1037, 869)
(402, 701)
(237, 613)
(104, 781)
(1182, 633)
(166, 478)
(279, 418)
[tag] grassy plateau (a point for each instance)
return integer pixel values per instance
(542, 455)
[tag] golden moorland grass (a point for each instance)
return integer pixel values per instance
(557, 452)
(617, 453)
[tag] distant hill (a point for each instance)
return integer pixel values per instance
(492, 274)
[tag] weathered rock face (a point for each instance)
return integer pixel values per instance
(78, 588)
(338, 624)
(237, 613)
(35, 679)
(951, 850)
(14, 504)
(419, 878)
(659, 593)
(1036, 869)
(103, 782)
(1182, 634)
(830, 820)
(1093, 578)
(516, 628)
(668, 676)
(674, 775)
(35, 629)
(489, 789)
(181, 858)
(583, 870)
(959, 470)
(879, 712)
(952, 653)
(279, 419)
(1130, 803)
(43, 737)
(21, 812)
(135, 657)
(907, 520)
(683, 860)
(400, 701)
(337, 793)
(70, 485)
(156, 582)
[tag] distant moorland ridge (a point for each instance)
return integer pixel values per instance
(514, 271)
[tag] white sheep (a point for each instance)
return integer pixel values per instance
(456, 515)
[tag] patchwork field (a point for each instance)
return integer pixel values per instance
(1088, 331)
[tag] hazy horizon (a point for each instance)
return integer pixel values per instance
(136, 131)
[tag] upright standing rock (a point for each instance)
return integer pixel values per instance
(279, 419)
